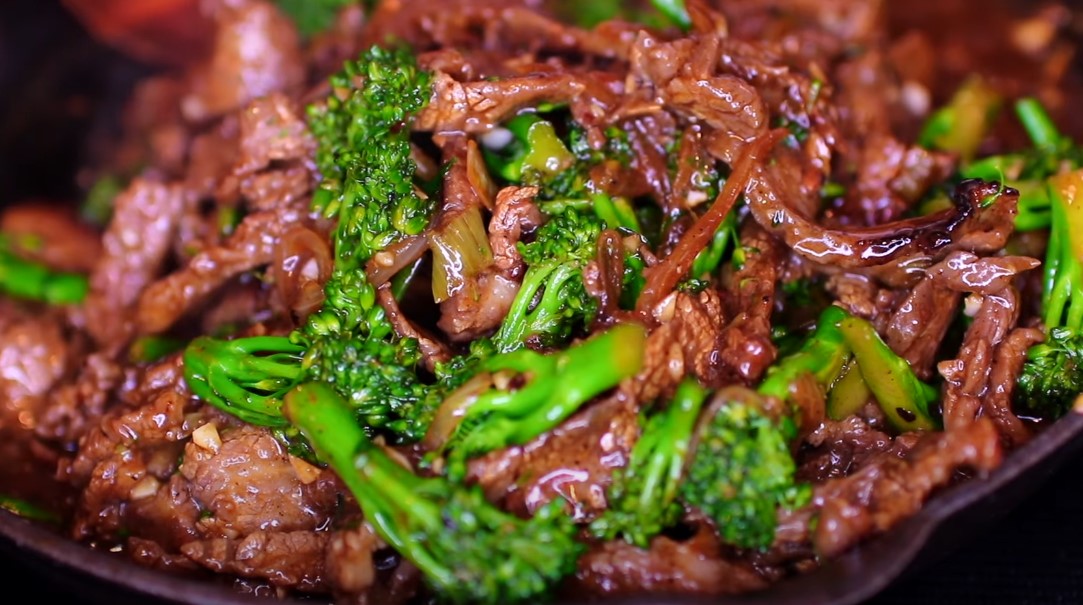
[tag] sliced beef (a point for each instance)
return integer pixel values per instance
(136, 247)
(886, 492)
(291, 560)
(574, 462)
(685, 343)
(696, 565)
(256, 51)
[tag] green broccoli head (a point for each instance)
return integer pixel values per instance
(468, 549)
(643, 494)
(1052, 376)
(553, 304)
(742, 473)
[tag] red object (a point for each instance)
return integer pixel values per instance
(166, 32)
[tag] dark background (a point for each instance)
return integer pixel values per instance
(55, 87)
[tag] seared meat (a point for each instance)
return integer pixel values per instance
(743, 173)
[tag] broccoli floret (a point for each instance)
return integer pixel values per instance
(1052, 376)
(1028, 171)
(742, 473)
(732, 464)
(26, 279)
(468, 549)
(643, 494)
(313, 16)
(368, 190)
(553, 304)
(823, 354)
(516, 396)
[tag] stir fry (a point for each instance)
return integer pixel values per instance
(488, 302)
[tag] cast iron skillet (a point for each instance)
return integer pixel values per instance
(947, 520)
(27, 149)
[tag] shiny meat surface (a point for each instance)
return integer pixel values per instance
(718, 185)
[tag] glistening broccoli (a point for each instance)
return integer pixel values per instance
(732, 462)
(30, 280)
(469, 550)
(368, 191)
(553, 304)
(643, 494)
(846, 357)
(1052, 376)
(516, 396)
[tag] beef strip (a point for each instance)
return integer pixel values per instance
(697, 565)
(574, 461)
(136, 247)
(745, 345)
(980, 380)
(256, 51)
(883, 493)
(684, 344)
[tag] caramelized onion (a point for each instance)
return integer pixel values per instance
(662, 278)
(302, 264)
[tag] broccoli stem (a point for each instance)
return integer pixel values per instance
(29, 280)
(848, 394)
(529, 316)
(1039, 125)
(1062, 293)
(28, 510)
(1052, 376)
(823, 354)
(246, 377)
(468, 550)
(675, 11)
(902, 396)
(643, 495)
(557, 384)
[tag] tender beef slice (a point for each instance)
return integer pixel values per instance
(746, 348)
(252, 245)
(474, 312)
(75, 405)
(256, 52)
(860, 295)
(272, 129)
(35, 353)
(890, 250)
(968, 272)
(695, 565)
(887, 491)
(472, 106)
(514, 215)
(967, 376)
(686, 343)
(136, 247)
(503, 28)
(292, 560)
(839, 447)
(250, 485)
(124, 469)
(917, 326)
(574, 462)
(211, 159)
